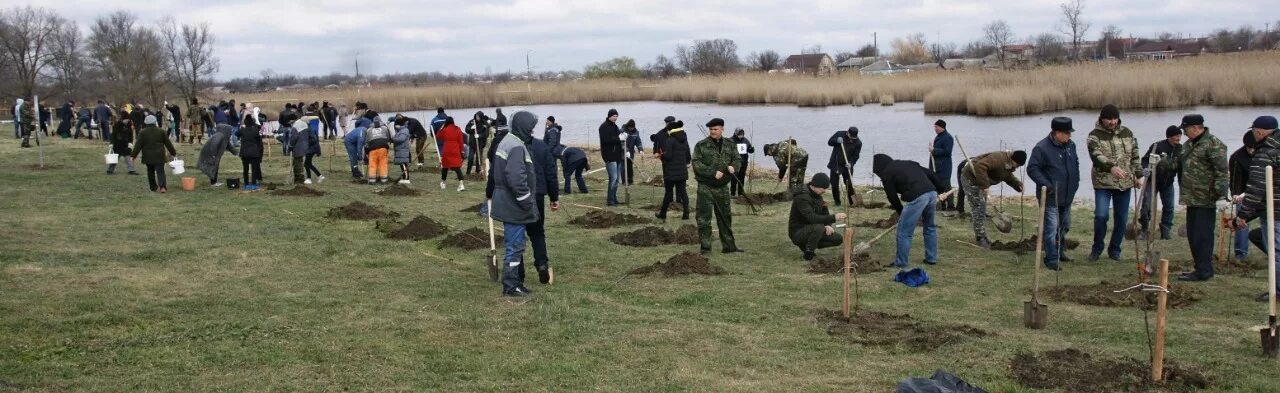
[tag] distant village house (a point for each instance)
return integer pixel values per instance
(819, 64)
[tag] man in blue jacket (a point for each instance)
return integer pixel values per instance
(1055, 164)
(940, 164)
(354, 141)
(436, 124)
(513, 177)
(104, 116)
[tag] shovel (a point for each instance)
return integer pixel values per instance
(1034, 314)
(1271, 333)
(863, 247)
(492, 259)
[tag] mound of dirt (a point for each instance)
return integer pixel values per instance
(360, 211)
(686, 234)
(760, 198)
(657, 236)
(835, 265)
(420, 228)
(687, 262)
(879, 224)
(1103, 295)
(1028, 245)
(1072, 370)
(877, 328)
(600, 219)
(470, 239)
(398, 190)
(875, 205)
(1232, 265)
(299, 190)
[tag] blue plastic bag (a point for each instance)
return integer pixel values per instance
(912, 278)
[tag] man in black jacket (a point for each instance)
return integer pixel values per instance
(676, 157)
(844, 145)
(919, 187)
(1166, 171)
(1253, 202)
(1238, 167)
(477, 138)
(745, 149)
(809, 225)
(659, 138)
(545, 184)
(612, 153)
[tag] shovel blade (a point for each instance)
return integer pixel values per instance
(1034, 314)
(1003, 222)
(1270, 341)
(491, 262)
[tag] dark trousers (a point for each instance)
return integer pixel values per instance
(252, 170)
(1201, 223)
(740, 173)
(629, 176)
(155, 176)
(105, 131)
(959, 196)
(681, 192)
(538, 235)
(1166, 207)
(309, 166)
(814, 236)
(574, 169)
(418, 146)
(83, 124)
(444, 173)
(474, 160)
(836, 175)
(297, 170)
(404, 171)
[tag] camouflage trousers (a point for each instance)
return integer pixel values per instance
(977, 205)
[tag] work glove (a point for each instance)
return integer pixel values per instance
(840, 140)
(1223, 206)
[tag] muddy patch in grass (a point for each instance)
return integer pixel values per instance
(885, 223)
(360, 211)
(1103, 295)
(882, 329)
(760, 198)
(600, 219)
(1073, 370)
(299, 190)
(862, 264)
(1028, 245)
(657, 236)
(685, 263)
(470, 239)
(420, 228)
(398, 190)
(472, 209)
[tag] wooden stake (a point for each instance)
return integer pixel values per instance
(1157, 361)
(848, 259)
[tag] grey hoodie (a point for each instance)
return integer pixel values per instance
(513, 173)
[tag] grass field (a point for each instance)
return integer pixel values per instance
(105, 287)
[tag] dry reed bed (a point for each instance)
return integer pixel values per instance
(1235, 79)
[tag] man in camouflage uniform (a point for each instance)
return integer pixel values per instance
(195, 121)
(714, 160)
(26, 122)
(1253, 202)
(791, 161)
(988, 170)
(1116, 171)
(1203, 179)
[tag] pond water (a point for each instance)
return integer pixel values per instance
(902, 131)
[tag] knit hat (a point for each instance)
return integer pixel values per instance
(941, 123)
(551, 119)
(821, 180)
(1109, 111)
(853, 131)
(150, 119)
(669, 119)
(448, 120)
(612, 113)
(716, 122)
(1171, 131)
(1020, 157)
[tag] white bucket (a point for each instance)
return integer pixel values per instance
(112, 158)
(178, 169)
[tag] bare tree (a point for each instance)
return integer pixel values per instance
(867, 50)
(190, 55)
(1073, 24)
(112, 52)
(1049, 48)
(764, 61)
(715, 56)
(998, 34)
(942, 51)
(68, 62)
(663, 67)
(842, 56)
(910, 50)
(1109, 42)
(812, 50)
(977, 49)
(152, 65)
(27, 37)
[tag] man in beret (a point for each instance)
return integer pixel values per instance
(1203, 179)
(810, 224)
(714, 160)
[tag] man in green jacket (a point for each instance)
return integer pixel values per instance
(1203, 180)
(988, 170)
(153, 143)
(791, 160)
(1117, 169)
(809, 225)
(714, 160)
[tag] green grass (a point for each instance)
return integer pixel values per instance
(104, 286)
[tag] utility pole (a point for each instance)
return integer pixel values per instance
(357, 65)
(528, 80)
(875, 43)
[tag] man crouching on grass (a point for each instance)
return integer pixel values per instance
(513, 198)
(810, 223)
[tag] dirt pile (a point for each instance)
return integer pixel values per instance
(269, 186)
(761, 198)
(686, 234)
(1103, 295)
(1027, 245)
(299, 190)
(600, 219)
(835, 265)
(420, 228)
(875, 205)
(360, 211)
(398, 190)
(470, 239)
(657, 236)
(879, 224)
(877, 328)
(687, 262)
(1072, 370)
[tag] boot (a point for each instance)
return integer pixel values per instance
(984, 243)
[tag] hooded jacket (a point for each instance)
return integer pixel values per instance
(152, 145)
(633, 143)
(904, 178)
(451, 145)
(659, 138)
(376, 138)
(1109, 149)
(610, 144)
(552, 139)
(675, 162)
(211, 153)
(851, 146)
(807, 208)
(120, 140)
(572, 155)
(402, 146)
(251, 139)
(547, 181)
(1056, 166)
(1240, 163)
(514, 175)
(354, 142)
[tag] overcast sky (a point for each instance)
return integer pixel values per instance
(321, 36)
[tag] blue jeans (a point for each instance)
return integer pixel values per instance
(922, 207)
(615, 179)
(1257, 236)
(1057, 222)
(513, 259)
(1166, 208)
(1242, 241)
(1103, 201)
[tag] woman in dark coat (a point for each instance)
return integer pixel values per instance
(251, 152)
(153, 145)
(313, 150)
(121, 143)
(676, 156)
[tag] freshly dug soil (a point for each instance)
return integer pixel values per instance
(470, 239)
(398, 189)
(687, 262)
(760, 198)
(686, 234)
(600, 219)
(875, 205)
(360, 211)
(1073, 370)
(1232, 265)
(862, 264)
(877, 328)
(387, 226)
(421, 228)
(657, 236)
(473, 209)
(269, 186)
(1028, 244)
(299, 190)
(1103, 295)
(879, 224)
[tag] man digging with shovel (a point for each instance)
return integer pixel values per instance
(1254, 203)
(810, 224)
(976, 179)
